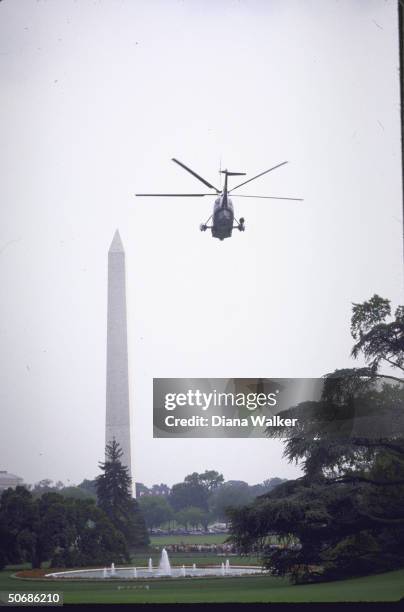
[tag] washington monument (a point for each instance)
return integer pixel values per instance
(117, 404)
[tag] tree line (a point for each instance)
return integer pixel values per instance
(201, 499)
(98, 521)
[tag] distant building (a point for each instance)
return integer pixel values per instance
(141, 489)
(8, 480)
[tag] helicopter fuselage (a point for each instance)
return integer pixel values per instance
(223, 213)
(223, 218)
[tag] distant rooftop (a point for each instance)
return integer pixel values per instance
(9, 480)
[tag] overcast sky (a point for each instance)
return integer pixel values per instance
(96, 97)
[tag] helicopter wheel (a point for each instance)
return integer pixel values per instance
(241, 225)
(203, 227)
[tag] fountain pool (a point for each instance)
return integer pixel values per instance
(162, 571)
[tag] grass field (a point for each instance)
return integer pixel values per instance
(382, 587)
(209, 538)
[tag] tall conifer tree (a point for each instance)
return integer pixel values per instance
(115, 498)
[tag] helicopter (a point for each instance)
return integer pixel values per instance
(222, 217)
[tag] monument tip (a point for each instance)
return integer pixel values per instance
(116, 244)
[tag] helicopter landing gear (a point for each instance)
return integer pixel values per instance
(241, 224)
(204, 226)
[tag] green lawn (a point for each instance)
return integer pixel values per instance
(387, 587)
(209, 538)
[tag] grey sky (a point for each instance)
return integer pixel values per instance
(96, 99)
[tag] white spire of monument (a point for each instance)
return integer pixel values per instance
(116, 244)
(117, 392)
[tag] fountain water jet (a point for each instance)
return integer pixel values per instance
(112, 569)
(150, 565)
(227, 566)
(135, 572)
(165, 567)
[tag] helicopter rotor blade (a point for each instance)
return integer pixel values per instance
(175, 195)
(195, 175)
(258, 175)
(237, 195)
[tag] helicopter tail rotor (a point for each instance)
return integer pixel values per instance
(227, 173)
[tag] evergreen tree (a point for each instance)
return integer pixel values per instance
(115, 499)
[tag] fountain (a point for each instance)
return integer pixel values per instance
(164, 570)
(165, 567)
